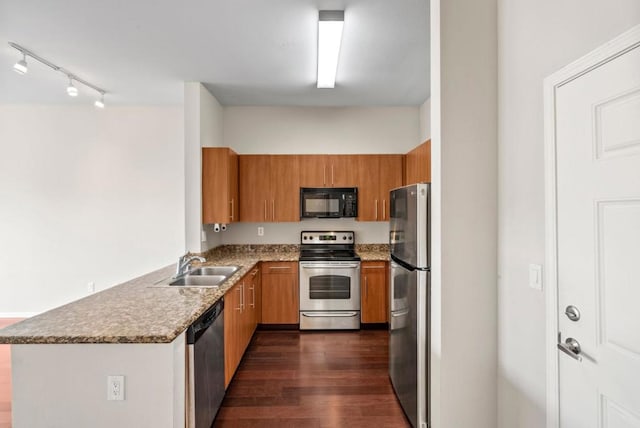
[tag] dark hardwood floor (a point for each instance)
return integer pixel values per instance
(313, 379)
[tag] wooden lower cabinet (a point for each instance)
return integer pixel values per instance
(374, 292)
(280, 301)
(241, 310)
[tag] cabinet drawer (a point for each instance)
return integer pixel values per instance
(279, 268)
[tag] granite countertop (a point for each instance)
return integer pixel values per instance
(141, 311)
(373, 252)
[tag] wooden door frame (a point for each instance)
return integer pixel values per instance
(601, 55)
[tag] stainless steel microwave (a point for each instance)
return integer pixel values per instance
(328, 202)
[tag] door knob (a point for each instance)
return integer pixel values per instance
(572, 313)
(571, 347)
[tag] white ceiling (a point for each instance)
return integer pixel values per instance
(247, 52)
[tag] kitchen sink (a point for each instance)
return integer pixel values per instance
(200, 280)
(201, 277)
(214, 270)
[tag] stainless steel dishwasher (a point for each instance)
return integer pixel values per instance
(205, 353)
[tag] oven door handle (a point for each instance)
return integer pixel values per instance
(328, 314)
(329, 266)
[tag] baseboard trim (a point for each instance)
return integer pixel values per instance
(18, 314)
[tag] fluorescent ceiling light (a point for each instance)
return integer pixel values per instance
(330, 25)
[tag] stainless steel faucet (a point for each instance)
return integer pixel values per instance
(184, 263)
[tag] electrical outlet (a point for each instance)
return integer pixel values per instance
(261, 231)
(115, 388)
(91, 287)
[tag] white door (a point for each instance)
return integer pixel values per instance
(598, 244)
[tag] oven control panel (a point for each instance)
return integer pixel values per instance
(324, 238)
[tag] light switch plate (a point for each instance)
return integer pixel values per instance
(535, 276)
(260, 231)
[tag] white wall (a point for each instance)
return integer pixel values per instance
(367, 232)
(321, 130)
(464, 223)
(203, 128)
(425, 121)
(536, 39)
(86, 195)
(65, 385)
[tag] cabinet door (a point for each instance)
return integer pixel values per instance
(418, 164)
(390, 177)
(280, 301)
(373, 280)
(253, 299)
(313, 170)
(232, 332)
(342, 170)
(219, 185)
(255, 190)
(285, 188)
(368, 190)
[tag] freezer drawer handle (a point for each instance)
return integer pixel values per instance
(400, 314)
(328, 314)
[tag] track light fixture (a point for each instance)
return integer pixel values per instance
(21, 68)
(72, 90)
(100, 102)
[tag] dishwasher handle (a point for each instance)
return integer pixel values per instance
(200, 325)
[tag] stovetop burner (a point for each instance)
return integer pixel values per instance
(327, 246)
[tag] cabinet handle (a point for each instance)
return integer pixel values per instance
(279, 267)
(376, 210)
(254, 273)
(332, 183)
(265, 210)
(273, 210)
(239, 308)
(324, 175)
(242, 298)
(384, 209)
(253, 297)
(231, 216)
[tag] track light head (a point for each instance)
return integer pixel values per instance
(72, 90)
(20, 67)
(99, 103)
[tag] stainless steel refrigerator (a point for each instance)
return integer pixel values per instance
(409, 239)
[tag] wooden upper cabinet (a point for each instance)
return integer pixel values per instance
(285, 188)
(313, 170)
(219, 185)
(418, 164)
(377, 175)
(328, 171)
(255, 189)
(390, 167)
(269, 188)
(343, 170)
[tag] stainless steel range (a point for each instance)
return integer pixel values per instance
(329, 281)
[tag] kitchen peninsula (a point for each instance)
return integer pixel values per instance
(61, 358)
